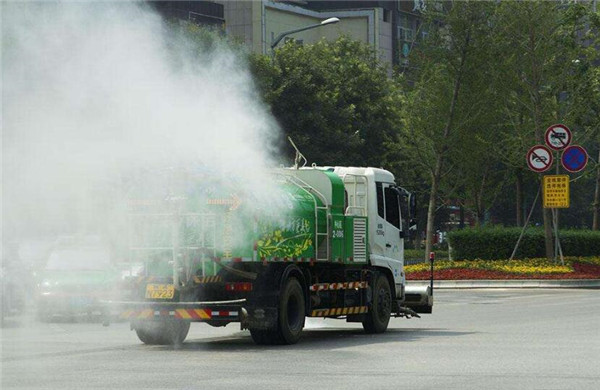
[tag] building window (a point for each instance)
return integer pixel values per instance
(406, 30)
(387, 15)
(403, 21)
(406, 34)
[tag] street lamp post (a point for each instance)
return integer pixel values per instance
(286, 33)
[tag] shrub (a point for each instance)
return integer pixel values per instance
(416, 254)
(580, 242)
(498, 243)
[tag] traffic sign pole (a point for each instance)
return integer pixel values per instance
(555, 195)
(557, 246)
(556, 191)
(555, 212)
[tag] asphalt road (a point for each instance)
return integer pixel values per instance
(476, 339)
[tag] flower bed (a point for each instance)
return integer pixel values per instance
(574, 268)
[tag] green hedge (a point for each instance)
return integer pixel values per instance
(412, 254)
(498, 243)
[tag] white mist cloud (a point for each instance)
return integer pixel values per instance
(95, 91)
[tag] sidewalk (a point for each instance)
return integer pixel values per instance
(514, 283)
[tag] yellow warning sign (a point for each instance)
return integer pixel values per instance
(556, 191)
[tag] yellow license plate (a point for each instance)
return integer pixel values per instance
(160, 291)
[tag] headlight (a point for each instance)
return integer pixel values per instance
(47, 285)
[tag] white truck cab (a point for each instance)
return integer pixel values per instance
(375, 190)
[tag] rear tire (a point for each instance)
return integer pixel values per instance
(170, 332)
(263, 336)
(378, 317)
(291, 316)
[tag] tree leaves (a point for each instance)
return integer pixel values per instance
(334, 99)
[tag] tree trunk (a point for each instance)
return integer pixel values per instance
(519, 196)
(437, 171)
(548, 241)
(479, 201)
(435, 178)
(596, 204)
(536, 76)
(478, 211)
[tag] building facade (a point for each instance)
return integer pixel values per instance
(259, 23)
(200, 12)
(391, 27)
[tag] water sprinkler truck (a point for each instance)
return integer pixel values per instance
(336, 252)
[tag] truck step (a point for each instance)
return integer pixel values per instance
(339, 311)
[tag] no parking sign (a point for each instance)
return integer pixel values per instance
(574, 158)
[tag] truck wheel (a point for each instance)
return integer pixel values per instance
(291, 317)
(170, 332)
(291, 312)
(378, 317)
(263, 336)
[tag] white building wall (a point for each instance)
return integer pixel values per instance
(385, 38)
(238, 19)
(259, 22)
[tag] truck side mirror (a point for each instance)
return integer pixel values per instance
(412, 206)
(412, 228)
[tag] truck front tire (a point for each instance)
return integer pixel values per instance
(379, 314)
(291, 316)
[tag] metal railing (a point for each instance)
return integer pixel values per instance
(314, 193)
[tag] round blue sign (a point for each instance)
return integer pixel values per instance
(574, 158)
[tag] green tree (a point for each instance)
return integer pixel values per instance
(335, 100)
(444, 105)
(583, 88)
(539, 42)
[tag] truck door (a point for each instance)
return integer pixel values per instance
(393, 225)
(387, 234)
(388, 244)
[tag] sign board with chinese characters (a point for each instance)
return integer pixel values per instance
(556, 191)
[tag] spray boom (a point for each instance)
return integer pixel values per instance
(299, 156)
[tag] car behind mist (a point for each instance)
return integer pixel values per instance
(75, 281)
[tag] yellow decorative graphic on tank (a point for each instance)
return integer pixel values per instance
(292, 241)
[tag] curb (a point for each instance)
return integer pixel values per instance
(514, 283)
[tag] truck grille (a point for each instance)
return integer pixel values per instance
(360, 240)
